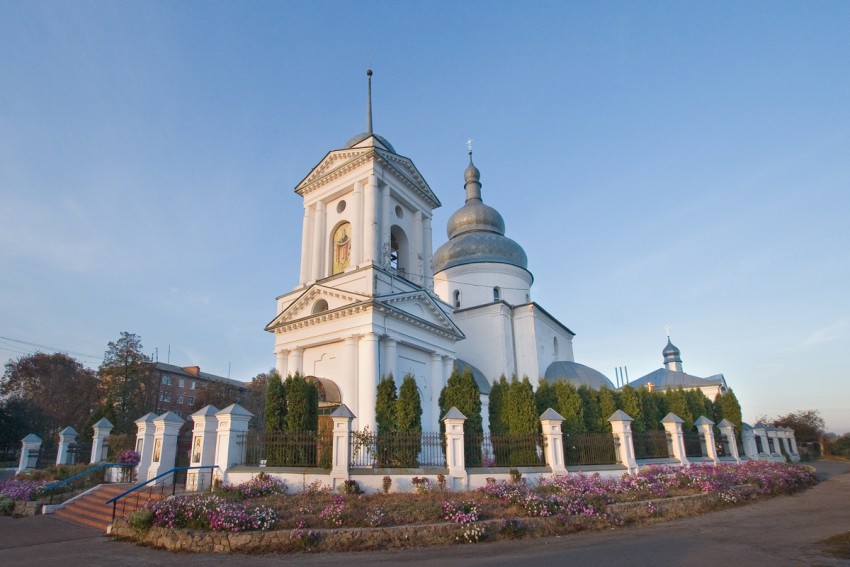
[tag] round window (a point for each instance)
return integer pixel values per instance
(398, 211)
(340, 206)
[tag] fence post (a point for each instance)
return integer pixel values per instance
(341, 456)
(166, 428)
(99, 442)
(727, 430)
(230, 444)
(551, 421)
(621, 427)
(30, 443)
(66, 437)
(706, 427)
(795, 456)
(748, 439)
(144, 444)
(776, 450)
(455, 454)
(202, 452)
(673, 426)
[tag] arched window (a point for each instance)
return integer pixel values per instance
(399, 251)
(457, 298)
(341, 244)
(320, 306)
(497, 294)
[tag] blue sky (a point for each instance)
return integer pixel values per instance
(681, 164)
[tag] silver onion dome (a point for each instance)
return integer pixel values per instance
(477, 232)
(577, 374)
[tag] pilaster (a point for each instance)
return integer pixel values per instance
(145, 431)
(342, 418)
(204, 427)
(706, 429)
(100, 440)
(621, 427)
(673, 426)
(166, 428)
(367, 382)
(455, 449)
(551, 422)
(727, 430)
(66, 438)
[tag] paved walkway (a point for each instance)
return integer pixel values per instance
(777, 532)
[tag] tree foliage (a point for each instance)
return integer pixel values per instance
(52, 391)
(630, 403)
(125, 377)
(808, 425)
(568, 403)
(726, 406)
(590, 409)
(677, 403)
(608, 404)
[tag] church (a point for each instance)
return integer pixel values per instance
(374, 299)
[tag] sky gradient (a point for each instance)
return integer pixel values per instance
(681, 164)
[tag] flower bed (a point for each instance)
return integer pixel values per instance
(317, 518)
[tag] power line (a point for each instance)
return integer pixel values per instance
(62, 350)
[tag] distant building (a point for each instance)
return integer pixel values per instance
(671, 376)
(186, 389)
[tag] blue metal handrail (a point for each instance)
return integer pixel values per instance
(101, 466)
(114, 501)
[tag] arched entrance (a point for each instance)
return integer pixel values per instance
(330, 397)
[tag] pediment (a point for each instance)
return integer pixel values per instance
(302, 307)
(421, 306)
(339, 162)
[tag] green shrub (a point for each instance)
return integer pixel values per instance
(141, 520)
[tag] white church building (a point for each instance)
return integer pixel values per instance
(372, 298)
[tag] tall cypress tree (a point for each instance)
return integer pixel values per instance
(677, 403)
(496, 410)
(275, 404)
(729, 408)
(649, 409)
(607, 407)
(385, 405)
(461, 391)
(409, 421)
(630, 403)
(589, 408)
(521, 419)
(544, 397)
(569, 405)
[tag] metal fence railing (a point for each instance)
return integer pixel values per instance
(589, 449)
(651, 444)
(396, 450)
(283, 449)
(520, 450)
(693, 444)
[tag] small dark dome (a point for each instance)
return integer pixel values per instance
(671, 353)
(360, 137)
(472, 174)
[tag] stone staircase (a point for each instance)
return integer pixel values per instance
(92, 510)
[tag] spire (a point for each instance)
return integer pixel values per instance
(472, 177)
(369, 104)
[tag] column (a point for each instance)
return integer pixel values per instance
(621, 427)
(100, 440)
(319, 244)
(349, 392)
(296, 356)
(144, 444)
(429, 268)
(386, 223)
(166, 428)
(370, 222)
(204, 426)
(357, 224)
(748, 439)
(455, 455)
(30, 447)
(706, 428)
(673, 426)
(306, 246)
(417, 252)
(281, 362)
(432, 413)
(367, 381)
(448, 368)
(727, 430)
(389, 362)
(67, 437)
(342, 418)
(231, 434)
(551, 421)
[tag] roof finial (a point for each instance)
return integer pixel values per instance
(667, 328)
(369, 104)
(469, 147)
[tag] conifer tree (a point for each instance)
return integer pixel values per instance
(727, 407)
(461, 391)
(630, 403)
(275, 404)
(568, 403)
(496, 410)
(678, 404)
(385, 405)
(409, 422)
(302, 405)
(589, 408)
(607, 407)
(649, 409)
(521, 419)
(696, 403)
(544, 397)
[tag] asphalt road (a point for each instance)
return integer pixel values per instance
(777, 532)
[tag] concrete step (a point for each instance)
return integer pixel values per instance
(92, 509)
